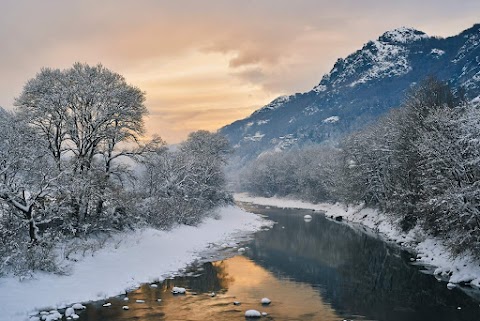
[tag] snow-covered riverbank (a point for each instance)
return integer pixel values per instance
(461, 269)
(126, 261)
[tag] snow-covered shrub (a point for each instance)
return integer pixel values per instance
(183, 185)
(18, 255)
(307, 173)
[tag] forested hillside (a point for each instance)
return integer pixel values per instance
(419, 163)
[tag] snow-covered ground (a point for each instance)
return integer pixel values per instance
(126, 261)
(430, 251)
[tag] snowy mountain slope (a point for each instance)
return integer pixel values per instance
(360, 88)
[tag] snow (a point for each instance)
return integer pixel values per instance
(266, 301)
(248, 125)
(437, 52)
(252, 314)
(403, 35)
(471, 43)
(331, 119)
(386, 60)
(69, 312)
(310, 110)
(431, 252)
(275, 104)
(178, 290)
(115, 268)
(284, 142)
(52, 315)
(255, 138)
(319, 88)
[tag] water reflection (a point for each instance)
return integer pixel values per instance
(235, 279)
(318, 270)
(357, 273)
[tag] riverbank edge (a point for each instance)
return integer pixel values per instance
(126, 261)
(430, 251)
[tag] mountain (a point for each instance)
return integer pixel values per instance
(359, 89)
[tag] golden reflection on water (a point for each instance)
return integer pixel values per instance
(237, 279)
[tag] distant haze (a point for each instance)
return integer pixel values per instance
(204, 64)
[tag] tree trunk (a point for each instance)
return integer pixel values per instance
(32, 228)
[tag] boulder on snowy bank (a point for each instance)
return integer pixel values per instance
(252, 314)
(266, 301)
(78, 306)
(178, 290)
(52, 316)
(69, 312)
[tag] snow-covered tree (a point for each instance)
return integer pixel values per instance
(182, 185)
(89, 117)
(27, 175)
(450, 195)
(308, 173)
(427, 97)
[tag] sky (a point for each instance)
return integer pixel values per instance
(204, 64)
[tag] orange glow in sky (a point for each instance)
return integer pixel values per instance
(204, 64)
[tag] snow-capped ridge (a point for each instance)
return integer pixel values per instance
(472, 30)
(362, 85)
(382, 58)
(274, 104)
(403, 35)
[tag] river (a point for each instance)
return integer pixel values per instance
(317, 270)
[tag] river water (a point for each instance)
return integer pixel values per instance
(317, 270)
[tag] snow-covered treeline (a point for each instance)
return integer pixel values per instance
(307, 173)
(421, 163)
(72, 165)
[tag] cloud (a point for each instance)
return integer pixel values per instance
(195, 58)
